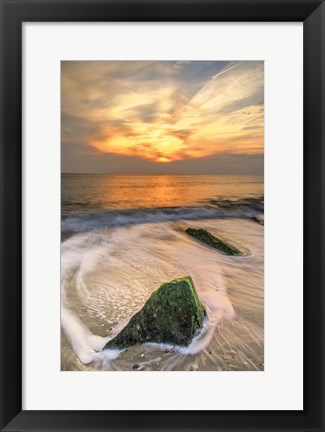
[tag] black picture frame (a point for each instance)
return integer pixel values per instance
(16, 12)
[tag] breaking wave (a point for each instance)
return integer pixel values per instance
(211, 209)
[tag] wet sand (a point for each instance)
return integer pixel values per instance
(108, 274)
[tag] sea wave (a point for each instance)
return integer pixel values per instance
(210, 209)
(108, 274)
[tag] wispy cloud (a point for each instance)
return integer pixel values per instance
(164, 111)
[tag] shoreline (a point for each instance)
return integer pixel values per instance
(226, 329)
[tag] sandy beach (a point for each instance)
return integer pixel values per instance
(106, 280)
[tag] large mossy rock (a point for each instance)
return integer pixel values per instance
(173, 314)
(213, 241)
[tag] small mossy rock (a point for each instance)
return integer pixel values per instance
(258, 219)
(213, 241)
(173, 314)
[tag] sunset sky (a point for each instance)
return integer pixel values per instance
(164, 117)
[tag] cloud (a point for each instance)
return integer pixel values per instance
(164, 111)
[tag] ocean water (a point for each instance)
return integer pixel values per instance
(124, 235)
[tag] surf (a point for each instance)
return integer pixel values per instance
(212, 209)
(107, 275)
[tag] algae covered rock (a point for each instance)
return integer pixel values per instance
(258, 219)
(173, 314)
(213, 241)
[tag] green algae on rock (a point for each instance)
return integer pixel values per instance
(173, 314)
(258, 219)
(213, 241)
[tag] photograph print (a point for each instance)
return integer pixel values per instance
(162, 215)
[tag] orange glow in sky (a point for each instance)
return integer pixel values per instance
(164, 111)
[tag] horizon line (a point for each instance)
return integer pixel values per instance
(161, 174)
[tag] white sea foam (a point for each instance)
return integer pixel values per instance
(208, 209)
(114, 272)
(108, 274)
